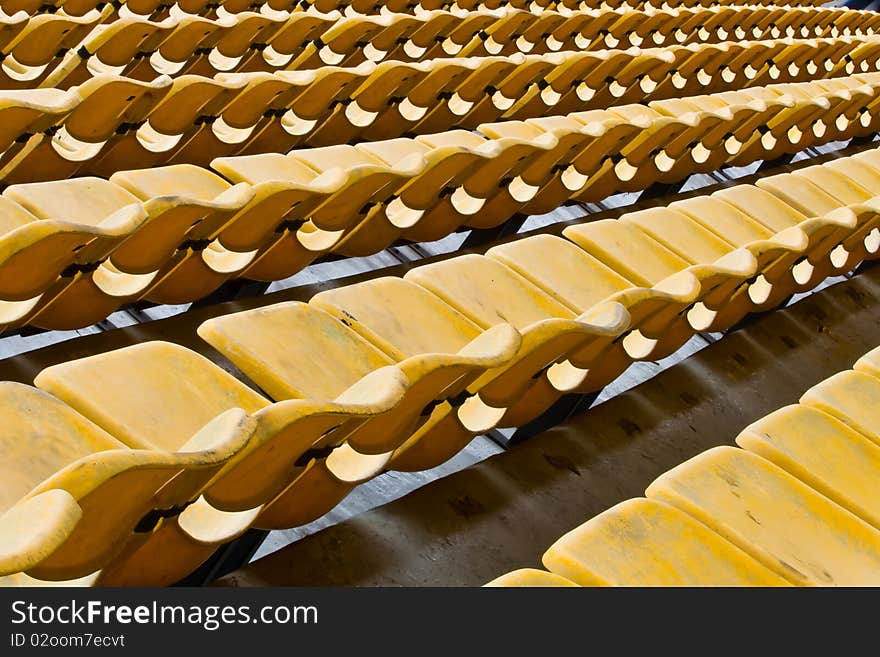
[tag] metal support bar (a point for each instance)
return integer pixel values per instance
(226, 558)
(480, 236)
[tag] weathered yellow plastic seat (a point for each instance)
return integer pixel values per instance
(695, 242)
(108, 107)
(352, 187)
(818, 191)
(662, 150)
(778, 253)
(287, 108)
(163, 258)
(40, 45)
(65, 478)
(295, 469)
(869, 363)
(582, 164)
(414, 212)
(173, 128)
(406, 321)
(26, 112)
(579, 280)
(822, 452)
(489, 293)
(488, 196)
(416, 96)
(110, 46)
(825, 233)
(623, 246)
(851, 397)
(530, 577)
(643, 542)
(780, 521)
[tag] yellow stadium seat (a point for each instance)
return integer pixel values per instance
(622, 246)
(295, 468)
(488, 293)
(852, 397)
(65, 478)
(531, 577)
(825, 233)
(869, 363)
(822, 452)
(780, 521)
(405, 321)
(643, 542)
(108, 107)
(580, 281)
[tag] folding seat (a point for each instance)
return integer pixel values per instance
(626, 246)
(851, 397)
(822, 452)
(363, 105)
(281, 110)
(589, 79)
(861, 57)
(786, 132)
(306, 203)
(374, 183)
(719, 230)
(502, 36)
(643, 542)
(557, 31)
(665, 150)
(502, 95)
(778, 520)
(492, 192)
(583, 158)
(818, 191)
(289, 464)
(827, 233)
(167, 256)
(171, 126)
(65, 477)
(462, 32)
(854, 115)
(416, 95)
(734, 122)
(435, 26)
(40, 46)
(297, 32)
(406, 321)
(30, 111)
(457, 103)
(109, 50)
(239, 43)
(412, 210)
(833, 122)
(529, 577)
(585, 29)
(109, 106)
(340, 44)
(180, 51)
(40, 259)
(715, 24)
(781, 252)
(633, 28)
(869, 363)
(560, 351)
(579, 280)
(698, 68)
(760, 23)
